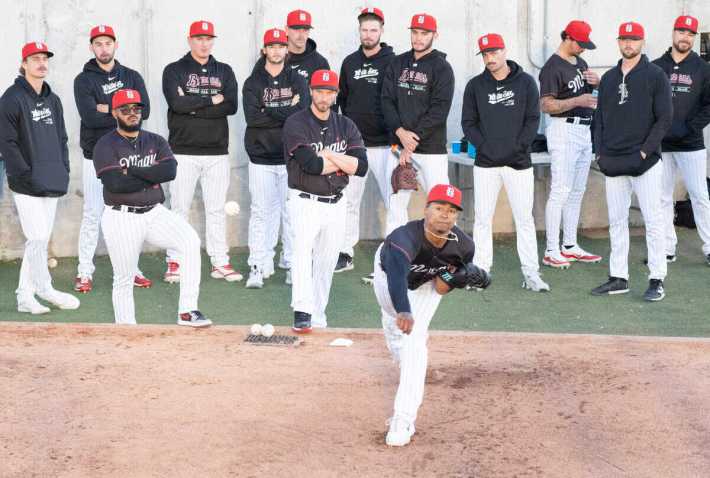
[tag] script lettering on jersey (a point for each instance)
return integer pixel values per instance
(44, 115)
(203, 85)
(681, 83)
(507, 98)
(413, 80)
(136, 161)
(423, 269)
(276, 97)
(369, 74)
(576, 83)
(111, 87)
(339, 146)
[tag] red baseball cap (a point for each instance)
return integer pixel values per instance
(631, 30)
(101, 31)
(324, 79)
(579, 31)
(490, 41)
(275, 36)
(445, 193)
(34, 47)
(125, 97)
(202, 27)
(373, 11)
(423, 21)
(686, 22)
(299, 19)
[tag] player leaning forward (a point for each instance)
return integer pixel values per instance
(633, 114)
(323, 149)
(33, 143)
(415, 265)
(132, 164)
(201, 93)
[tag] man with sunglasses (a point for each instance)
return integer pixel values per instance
(102, 76)
(132, 164)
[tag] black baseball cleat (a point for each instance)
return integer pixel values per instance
(669, 258)
(615, 285)
(301, 323)
(655, 291)
(707, 259)
(193, 319)
(345, 263)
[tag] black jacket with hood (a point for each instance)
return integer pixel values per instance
(196, 125)
(690, 85)
(33, 140)
(633, 114)
(359, 97)
(94, 86)
(307, 62)
(501, 117)
(267, 103)
(416, 95)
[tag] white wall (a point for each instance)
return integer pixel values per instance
(153, 33)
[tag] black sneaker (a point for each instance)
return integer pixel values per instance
(655, 291)
(669, 258)
(707, 259)
(193, 319)
(345, 263)
(615, 285)
(301, 322)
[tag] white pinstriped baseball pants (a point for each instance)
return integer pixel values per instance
(647, 188)
(410, 351)
(37, 221)
(693, 169)
(125, 232)
(520, 188)
(268, 188)
(570, 148)
(213, 173)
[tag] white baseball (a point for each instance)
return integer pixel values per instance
(231, 208)
(51, 263)
(256, 329)
(267, 330)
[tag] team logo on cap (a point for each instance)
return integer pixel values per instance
(302, 16)
(326, 76)
(276, 33)
(129, 95)
(484, 41)
(450, 192)
(205, 26)
(629, 28)
(370, 10)
(688, 21)
(420, 19)
(39, 45)
(102, 28)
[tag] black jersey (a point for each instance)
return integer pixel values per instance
(407, 246)
(562, 80)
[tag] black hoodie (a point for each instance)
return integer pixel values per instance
(267, 103)
(360, 92)
(501, 117)
(416, 95)
(33, 140)
(196, 125)
(690, 85)
(307, 62)
(94, 86)
(633, 114)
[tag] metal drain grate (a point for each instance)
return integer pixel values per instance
(273, 340)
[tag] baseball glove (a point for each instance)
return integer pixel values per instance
(466, 276)
(404, 177)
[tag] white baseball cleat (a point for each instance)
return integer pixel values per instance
(369, 279)
(535, 283)
(172, 275)
(282, 261)
(256, 279)
(400, 432)
(556, 259)
(289, 280)
(30, 305)
(226, 272)
(61, 300)
(577, 254)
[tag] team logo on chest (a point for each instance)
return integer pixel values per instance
(413, 80)
(275, 97)
(112, 86)
(576, 83)
(505, 98)
(138, 161)
(623, 93)
(367, 72)
(42, 114)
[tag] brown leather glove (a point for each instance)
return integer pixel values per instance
(404, 177)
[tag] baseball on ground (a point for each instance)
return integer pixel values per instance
(267, 330)
(51, 263)
(256, 329)
(231, 208)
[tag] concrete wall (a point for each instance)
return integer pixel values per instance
(153, 33)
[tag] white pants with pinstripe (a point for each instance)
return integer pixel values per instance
(410, 351)
(125, 233)
(268, 188)
(647, 188)
(213, 173)
(37, 220)
(693, 169)
(318, 230)
(520, 188)
(570, 147)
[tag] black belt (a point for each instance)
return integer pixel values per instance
(578, 120)
(133, 209)
(325, 199)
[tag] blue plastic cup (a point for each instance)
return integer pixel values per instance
(456, 147)
(471, 151)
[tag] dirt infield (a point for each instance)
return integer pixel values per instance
(97, 401)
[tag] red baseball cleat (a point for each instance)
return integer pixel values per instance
(142, 282)
(83, 284)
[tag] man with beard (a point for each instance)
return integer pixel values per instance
(633, 114)
(201, 93)
(500, 117)
(93, 88)
(322, 149)
(416, 98)
(132, 164)
(684, 146)
(270, 95)
(33, 144)
(302, 51)
(359, 99)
